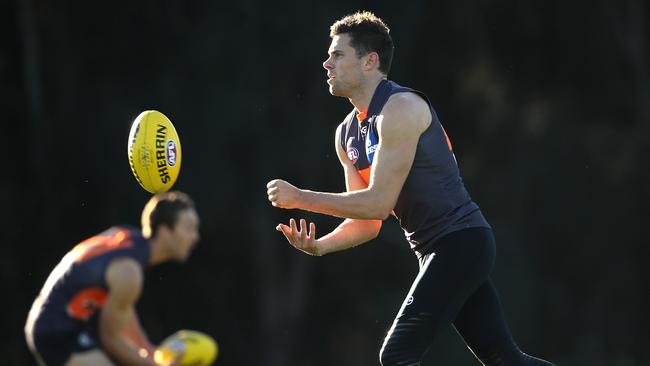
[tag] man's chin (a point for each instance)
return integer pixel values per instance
(336, 92)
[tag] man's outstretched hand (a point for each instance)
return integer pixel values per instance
(300, 238)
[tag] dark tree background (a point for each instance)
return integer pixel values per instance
(546, 102)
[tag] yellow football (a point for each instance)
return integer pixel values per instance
(198, 349)
(154, 151)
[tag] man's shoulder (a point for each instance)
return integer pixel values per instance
(124, 270)
(406, 102)
(409, 109)
(406, 96)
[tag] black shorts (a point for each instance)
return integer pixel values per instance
(55, 348)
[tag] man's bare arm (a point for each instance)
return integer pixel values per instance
(400, 125)
(349, 233)
(124, 278)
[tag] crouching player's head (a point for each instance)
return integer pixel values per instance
(170, 222)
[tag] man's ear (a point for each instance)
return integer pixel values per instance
(163, 231)
(372, 61)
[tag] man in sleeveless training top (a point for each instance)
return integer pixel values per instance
(85, 313)
(398, 160)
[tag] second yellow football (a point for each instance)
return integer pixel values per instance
(195, 347)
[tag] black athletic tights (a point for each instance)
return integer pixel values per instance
(453, 287)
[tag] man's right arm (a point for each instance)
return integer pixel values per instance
(348, 234)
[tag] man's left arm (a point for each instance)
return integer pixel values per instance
(404, 117)
(124, 278)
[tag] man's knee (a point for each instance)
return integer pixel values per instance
(408, 340)
(398, 351)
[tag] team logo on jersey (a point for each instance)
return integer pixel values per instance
(364, 130)
(171, 152)
(353, 154)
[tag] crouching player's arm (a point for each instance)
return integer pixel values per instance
(136, 335)
(124, 278)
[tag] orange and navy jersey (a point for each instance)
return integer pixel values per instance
(76, 289)
(433, 201)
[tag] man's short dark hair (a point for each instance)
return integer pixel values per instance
(368, 33)
(163, 209)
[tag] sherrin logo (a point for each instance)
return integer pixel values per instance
(170, 150)
(353, 154)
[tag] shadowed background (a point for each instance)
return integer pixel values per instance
(546, 103)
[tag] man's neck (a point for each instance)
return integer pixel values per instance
(361, 101)
(155, 252)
